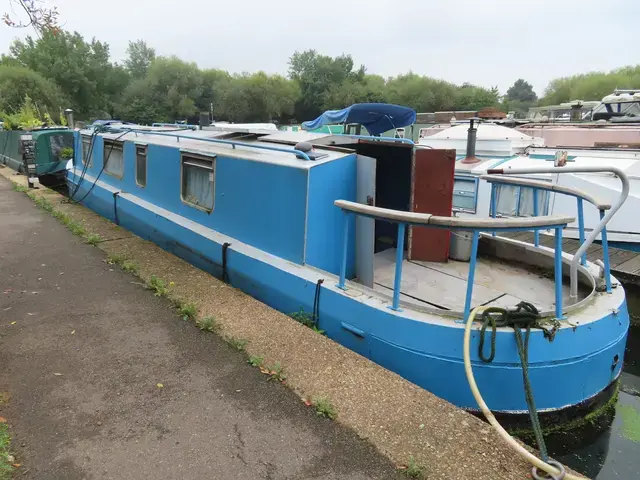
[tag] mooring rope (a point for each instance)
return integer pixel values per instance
(526, 316)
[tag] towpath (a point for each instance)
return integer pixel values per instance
(101, 380)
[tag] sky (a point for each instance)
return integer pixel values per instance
(484, 42)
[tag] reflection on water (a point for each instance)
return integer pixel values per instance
(609, 448)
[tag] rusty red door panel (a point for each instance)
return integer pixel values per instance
(431, 192)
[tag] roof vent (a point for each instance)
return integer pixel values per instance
(471, 144)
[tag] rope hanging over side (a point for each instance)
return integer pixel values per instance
(225, 274)
(525, 315)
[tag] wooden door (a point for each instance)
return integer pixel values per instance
(431, 192)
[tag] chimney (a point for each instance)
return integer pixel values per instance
(68, 113)
(471, 144)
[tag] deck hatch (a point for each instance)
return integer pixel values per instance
(198, 181)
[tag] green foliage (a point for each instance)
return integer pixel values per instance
(237, 343)
(158, 286)
(6, 470)
(139, 58)
(66, 153)
(521, 91)
(93, 239)
(18, 82)
(207, 324)
(276, 372)
(255, 361)
(188, 311)
(26, 118)
(414, 470)
(324, 407)
(590, 86)
(82, 70)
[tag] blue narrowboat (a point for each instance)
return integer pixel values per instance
(360, 231)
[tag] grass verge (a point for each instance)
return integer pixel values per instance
(6, 468)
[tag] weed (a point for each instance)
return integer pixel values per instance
(74, 227)
(188, 311)
(130, 266)
(20, 188)
(44, 204)
(304, 318)
(237, 343)
(6, 470)
(276, 372)
(307, 319)
(158, 286)
(93, 239)
(208, 324)
(414, 470)
(324, 407)
(255, 361)
(116, 259)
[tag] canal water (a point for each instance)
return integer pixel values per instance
(608, 448)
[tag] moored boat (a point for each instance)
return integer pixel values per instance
(356, 231)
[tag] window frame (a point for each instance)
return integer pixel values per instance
(115, 144)
(83, 160)
(185, 156)
(545, 203)
(144, 148)
(465, 178)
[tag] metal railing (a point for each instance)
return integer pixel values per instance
(475, 225)
(298, 153)
(606, 212)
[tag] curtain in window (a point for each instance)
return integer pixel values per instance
(141, 168)
(508, 205)
(506, 200)
(113, 159)
(86, 147)
(198, 186)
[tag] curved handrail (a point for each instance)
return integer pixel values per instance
(461, 223)
(573, 292)
(297, 153)
(550, 187)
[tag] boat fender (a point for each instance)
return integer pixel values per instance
(115, 208)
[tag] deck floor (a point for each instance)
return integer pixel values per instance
(444, 285)
(624, 263)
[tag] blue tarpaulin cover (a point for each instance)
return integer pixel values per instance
(375, 117)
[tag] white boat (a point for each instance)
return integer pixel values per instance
(499, 147)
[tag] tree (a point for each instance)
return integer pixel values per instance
(81, 69)
(317, 74)
(18, 82)
(139, 58)
(35, 14)
(521, 91)
(423, 94)
(471, 97)
(370, 89)
(167, 93)
(590, 86)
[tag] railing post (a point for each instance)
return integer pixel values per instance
(472, 273)
(605, 254)
(583, 260)
(494, 204)
(397, 280)
(345, 245)
(558, 272)
(536, 232)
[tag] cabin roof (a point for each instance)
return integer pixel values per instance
(189, 140)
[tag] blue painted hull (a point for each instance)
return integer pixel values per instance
(579, 364)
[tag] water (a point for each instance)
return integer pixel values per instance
(609, 449)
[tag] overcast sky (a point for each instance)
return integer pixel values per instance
(486, 42)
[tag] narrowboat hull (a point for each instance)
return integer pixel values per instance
(581, 362)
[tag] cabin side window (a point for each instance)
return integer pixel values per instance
(465, 194)
(141, 165)
(198, 181)
(514, 201)
(113, 158)
(87, 154)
